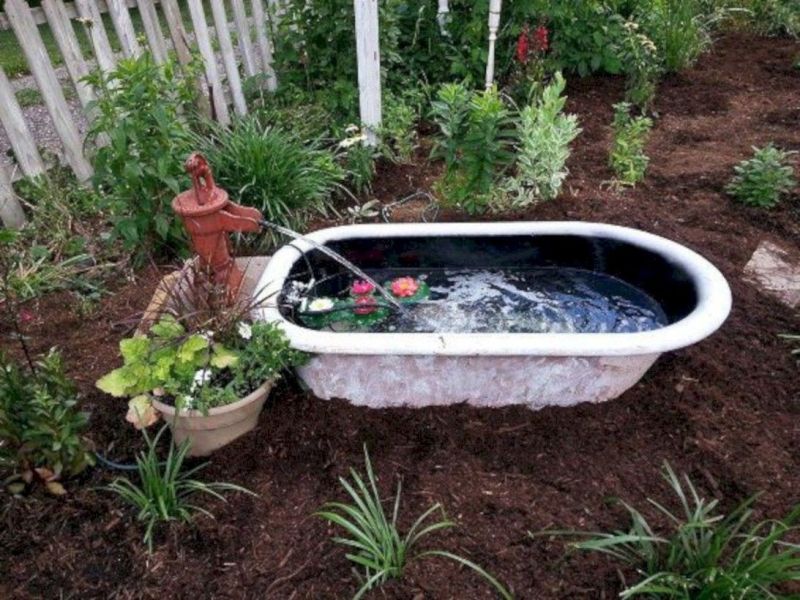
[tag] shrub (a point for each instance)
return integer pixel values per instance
(141, 111)
(373, 539)
(641, 63)
(482, 154)
(398, 128)
(762, 180)
(450, 111)
(165, 490)
(272, 170)
(545, 135)
(706, 553)
(41, 428)
(628, 160)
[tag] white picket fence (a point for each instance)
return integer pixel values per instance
(224, 85)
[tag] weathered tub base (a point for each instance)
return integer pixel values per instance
(381, 381)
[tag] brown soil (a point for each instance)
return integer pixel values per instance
(725, 411)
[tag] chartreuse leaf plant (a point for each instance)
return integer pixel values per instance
(703, 554)
(196, 371)
(628, 159)
(763, 179)
(374, 540)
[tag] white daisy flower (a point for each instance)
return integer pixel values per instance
(245, 330)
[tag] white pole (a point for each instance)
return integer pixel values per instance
(369, 67)
(443, 16)
(495, 6)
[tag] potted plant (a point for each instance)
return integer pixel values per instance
(209, 384)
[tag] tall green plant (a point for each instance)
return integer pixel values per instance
(374, 540)
(140, 122)
(680, 29)
(705, 554)
(271, 169)
(628, 159)
(483, 154)
(545, 135)
(165, 490)
(449, 111)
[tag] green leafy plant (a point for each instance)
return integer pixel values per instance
(544, 138)
(775, 17)
(41, 428)
(142, 112)
(641, 63)
(764, 178)
(165, 490)
(166, 358)
(706, 554)
(483, 154)
(628, 159)
(398, 134)
(272, 170)
(373, 539)
(450, 111)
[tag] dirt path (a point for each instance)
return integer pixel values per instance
(725, 411)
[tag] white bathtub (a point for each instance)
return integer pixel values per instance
(496, 369)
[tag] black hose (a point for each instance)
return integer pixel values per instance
(110, 464)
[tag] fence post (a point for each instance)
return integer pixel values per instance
(17, 130)
(369, 67)
(264, 45)
(220, 106)
(152, 30)
(243, 33)
(96, 32)
(228, 56)
(118, 9)
(61, 26)
(19, 14)
(11, 213)
(495, 6)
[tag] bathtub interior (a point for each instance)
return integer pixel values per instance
(664, 281)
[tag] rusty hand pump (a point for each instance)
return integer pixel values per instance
(209, 216)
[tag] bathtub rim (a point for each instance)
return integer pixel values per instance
(712, 308)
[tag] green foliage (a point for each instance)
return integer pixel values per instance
(272, 170)
(143, 112)
(706, 554)
(165, 491)
(641, 60)
(359, 164)
(41, 428)
(58, 248)
(628, 159)
(775, 17)
(450, 111)
(482, 154)
(680, 29)
(166, 358)
(398, 134)
(373, 539)
(265, 353)
(764, 178)
(545, 135)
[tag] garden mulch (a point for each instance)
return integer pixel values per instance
(726, 411)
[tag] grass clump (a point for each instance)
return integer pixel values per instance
(165, 490)
(705, 554)
(264, 166)
(764, 178)
(373, 538)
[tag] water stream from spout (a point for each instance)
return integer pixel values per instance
(338, 258)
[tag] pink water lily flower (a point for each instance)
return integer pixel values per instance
(361, 287)
(365, 305)
(404, 287)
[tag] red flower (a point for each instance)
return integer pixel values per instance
(541, 39)
(365, 305)
(361, 287)
(404, 287)
(522, 45)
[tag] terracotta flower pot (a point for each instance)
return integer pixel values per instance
(220, 427)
